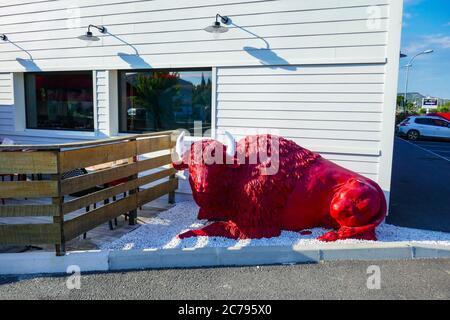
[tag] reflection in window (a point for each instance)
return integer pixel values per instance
(60, 100)
(164, 100)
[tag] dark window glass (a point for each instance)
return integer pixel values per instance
(60, 100)
(424, 121)
(164, 100)
(439, 123)
(405, 121)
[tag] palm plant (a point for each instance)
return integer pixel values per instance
(148, 92)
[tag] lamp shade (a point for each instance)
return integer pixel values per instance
(88, 36)
(216, 28)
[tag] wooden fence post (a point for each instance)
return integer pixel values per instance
(173, 138)
(172, 193)
(58, 201)
(132, 215)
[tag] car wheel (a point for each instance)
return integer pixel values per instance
(413, 135)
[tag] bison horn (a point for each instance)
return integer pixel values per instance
(179, 150)
(179, 147)
(230, 143)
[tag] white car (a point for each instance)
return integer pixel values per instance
(424, 126)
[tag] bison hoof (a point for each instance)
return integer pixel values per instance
(192, 233)
(329, 237)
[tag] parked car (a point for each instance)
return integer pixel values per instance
(414, 128)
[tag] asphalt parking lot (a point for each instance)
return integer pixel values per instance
(418, 279)
(440, 148)
(420, 189)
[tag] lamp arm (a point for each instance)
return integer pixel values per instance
(224, 19)
(102, 29)
(413, 58)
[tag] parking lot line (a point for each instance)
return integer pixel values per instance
(435, 149)
(429, 151)
(434, 144)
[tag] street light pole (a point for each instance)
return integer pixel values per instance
(408, 66)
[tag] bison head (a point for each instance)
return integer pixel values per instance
(210, 164)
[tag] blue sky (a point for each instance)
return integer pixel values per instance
(426, 25)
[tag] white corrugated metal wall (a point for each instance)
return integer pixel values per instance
(320, 72)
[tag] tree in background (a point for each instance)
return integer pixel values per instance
(400, 100)
(444, 108)
(151, 90)
(422, 111)
(411, 108)
(440, 109)
(201, 99)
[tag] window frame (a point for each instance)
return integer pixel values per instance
(119, 91)
(60, 129)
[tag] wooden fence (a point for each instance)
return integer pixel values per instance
(115, 166)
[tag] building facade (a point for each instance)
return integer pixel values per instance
(323, 73)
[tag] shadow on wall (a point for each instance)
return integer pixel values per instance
(29, 63)
(265, 55)
(133, 59)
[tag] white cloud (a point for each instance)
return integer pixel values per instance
(406, 16)
(435, 41)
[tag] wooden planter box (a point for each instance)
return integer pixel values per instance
(55, 160)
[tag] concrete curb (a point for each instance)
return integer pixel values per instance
(90, 261)
(48, 262)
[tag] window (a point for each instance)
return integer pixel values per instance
(440, 123)
(406, 121)
(425, 121)
(60, 100)
(161, 100)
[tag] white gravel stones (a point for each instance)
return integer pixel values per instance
(161, 232)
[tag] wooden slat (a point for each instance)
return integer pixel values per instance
(28, 189)
(81, 158)
(153, 144)
(28, 162)
(98, 196)
(157, 191)
(154, 163)
(84, 182)
(94, 218)
(30, 234)
(83, 144)
(45, 210)
(155, 176)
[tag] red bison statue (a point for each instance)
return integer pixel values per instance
(265, 184)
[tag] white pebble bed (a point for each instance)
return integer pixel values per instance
(161, 233)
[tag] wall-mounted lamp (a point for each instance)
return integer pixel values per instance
(217, 26)
(88, 36)
(3, 37)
